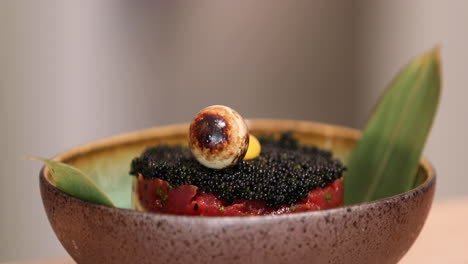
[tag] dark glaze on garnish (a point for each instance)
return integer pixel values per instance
(246, 143)
(210, 131)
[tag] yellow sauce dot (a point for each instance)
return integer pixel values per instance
(254, 148)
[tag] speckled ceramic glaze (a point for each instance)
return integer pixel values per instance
(375, 232)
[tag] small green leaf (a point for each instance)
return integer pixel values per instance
(74, 182)
(385, 160)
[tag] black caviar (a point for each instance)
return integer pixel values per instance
(284, 172)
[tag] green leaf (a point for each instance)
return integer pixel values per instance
(76, 183)
(386, 158)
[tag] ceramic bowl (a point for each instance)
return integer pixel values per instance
(381, 231)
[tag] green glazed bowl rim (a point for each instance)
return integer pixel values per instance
(133, 137)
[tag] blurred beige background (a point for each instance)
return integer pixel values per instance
(74, 71)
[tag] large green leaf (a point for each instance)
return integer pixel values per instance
(385, 160)
(76, 183)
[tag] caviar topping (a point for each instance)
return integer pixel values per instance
(283, 174)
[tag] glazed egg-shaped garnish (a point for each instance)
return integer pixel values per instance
(218, 137)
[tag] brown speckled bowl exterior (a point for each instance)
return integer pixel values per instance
(375, 232)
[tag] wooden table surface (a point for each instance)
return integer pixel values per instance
(444, 238)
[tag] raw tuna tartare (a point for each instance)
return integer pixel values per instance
(284, 178)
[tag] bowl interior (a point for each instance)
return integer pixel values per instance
(108, 161)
